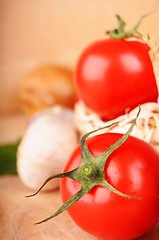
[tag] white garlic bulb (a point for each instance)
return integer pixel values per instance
(147, 127)
(45, 147)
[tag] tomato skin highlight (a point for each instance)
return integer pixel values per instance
(133, 168)
(112, 76)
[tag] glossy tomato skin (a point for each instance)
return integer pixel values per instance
(133, 168)
(112, 76)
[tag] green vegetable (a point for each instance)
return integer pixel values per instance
(8, 158)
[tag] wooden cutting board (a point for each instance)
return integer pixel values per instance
(18, 214)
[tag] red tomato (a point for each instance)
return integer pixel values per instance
(133, 168)
(113, 76)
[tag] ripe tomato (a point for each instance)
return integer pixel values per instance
(113, 76)
(133, 168)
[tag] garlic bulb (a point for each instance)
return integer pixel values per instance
(46, 146)
(147, 127)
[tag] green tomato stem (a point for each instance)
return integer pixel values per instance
(66, 205)
(120, 33)
(102, 158)
(86, 154)
(91, 172)
(88, 170)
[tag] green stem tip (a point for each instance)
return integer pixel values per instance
(120, 33)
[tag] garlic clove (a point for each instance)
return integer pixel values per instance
(45, 147)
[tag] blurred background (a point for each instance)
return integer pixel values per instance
(40, 32)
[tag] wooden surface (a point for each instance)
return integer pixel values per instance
(18, 214)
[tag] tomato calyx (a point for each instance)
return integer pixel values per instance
(91, 172)
(120, 33)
